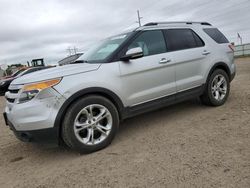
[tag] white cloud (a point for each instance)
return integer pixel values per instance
(33, 28)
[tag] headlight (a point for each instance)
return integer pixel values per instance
(29, 91)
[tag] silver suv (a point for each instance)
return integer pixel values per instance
(141, 70)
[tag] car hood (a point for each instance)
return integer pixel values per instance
(56, 72)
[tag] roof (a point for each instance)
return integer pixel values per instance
(167, 23)
(182, 23)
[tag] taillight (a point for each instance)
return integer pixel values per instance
(231, 46)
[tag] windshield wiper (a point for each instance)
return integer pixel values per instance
(79, 61)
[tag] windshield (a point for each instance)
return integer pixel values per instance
(103, 49)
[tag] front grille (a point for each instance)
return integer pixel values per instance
(14, 91)
(10, 100)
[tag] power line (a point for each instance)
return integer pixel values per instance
(72, 51)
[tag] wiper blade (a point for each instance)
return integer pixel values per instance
(79, 61)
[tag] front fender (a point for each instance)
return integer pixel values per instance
(88, 91)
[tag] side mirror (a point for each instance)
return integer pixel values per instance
(133, 53)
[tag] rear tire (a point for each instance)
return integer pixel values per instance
(90, 124)
(217, 89)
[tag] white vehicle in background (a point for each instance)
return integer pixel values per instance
(142, 70)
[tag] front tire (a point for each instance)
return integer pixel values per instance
(90, 124)
(217, 89)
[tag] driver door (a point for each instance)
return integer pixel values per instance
(151, 76)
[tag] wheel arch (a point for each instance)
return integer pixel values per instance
(220, 65)
(88, 91)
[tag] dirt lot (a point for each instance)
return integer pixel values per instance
(186, 145)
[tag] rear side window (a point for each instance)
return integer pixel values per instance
(180, 39)
(216, 35)
(151, 42)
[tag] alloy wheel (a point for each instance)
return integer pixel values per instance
(219, 87)
(93, 124)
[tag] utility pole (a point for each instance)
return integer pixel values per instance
(139, 18)
(72, 51)
(69, 51)
(75, 50)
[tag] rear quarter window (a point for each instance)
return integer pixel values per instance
(216, 35)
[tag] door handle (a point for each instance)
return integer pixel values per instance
(205, 52)
(164, 60)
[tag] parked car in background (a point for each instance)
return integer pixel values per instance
(4, 83)
(14, 74)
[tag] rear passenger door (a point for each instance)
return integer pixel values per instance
(188, 52)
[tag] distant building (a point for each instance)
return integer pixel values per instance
(69, 59)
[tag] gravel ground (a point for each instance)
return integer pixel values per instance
(186, 145)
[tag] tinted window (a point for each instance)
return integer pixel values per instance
(216, 35)
(180, 39)
(198, 40)
(151, 42)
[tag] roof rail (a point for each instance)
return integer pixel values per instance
(165, 23)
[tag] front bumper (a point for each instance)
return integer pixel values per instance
(33, 121)
(49, 135)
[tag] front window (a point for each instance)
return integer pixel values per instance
(103, 49)
(151, 42)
